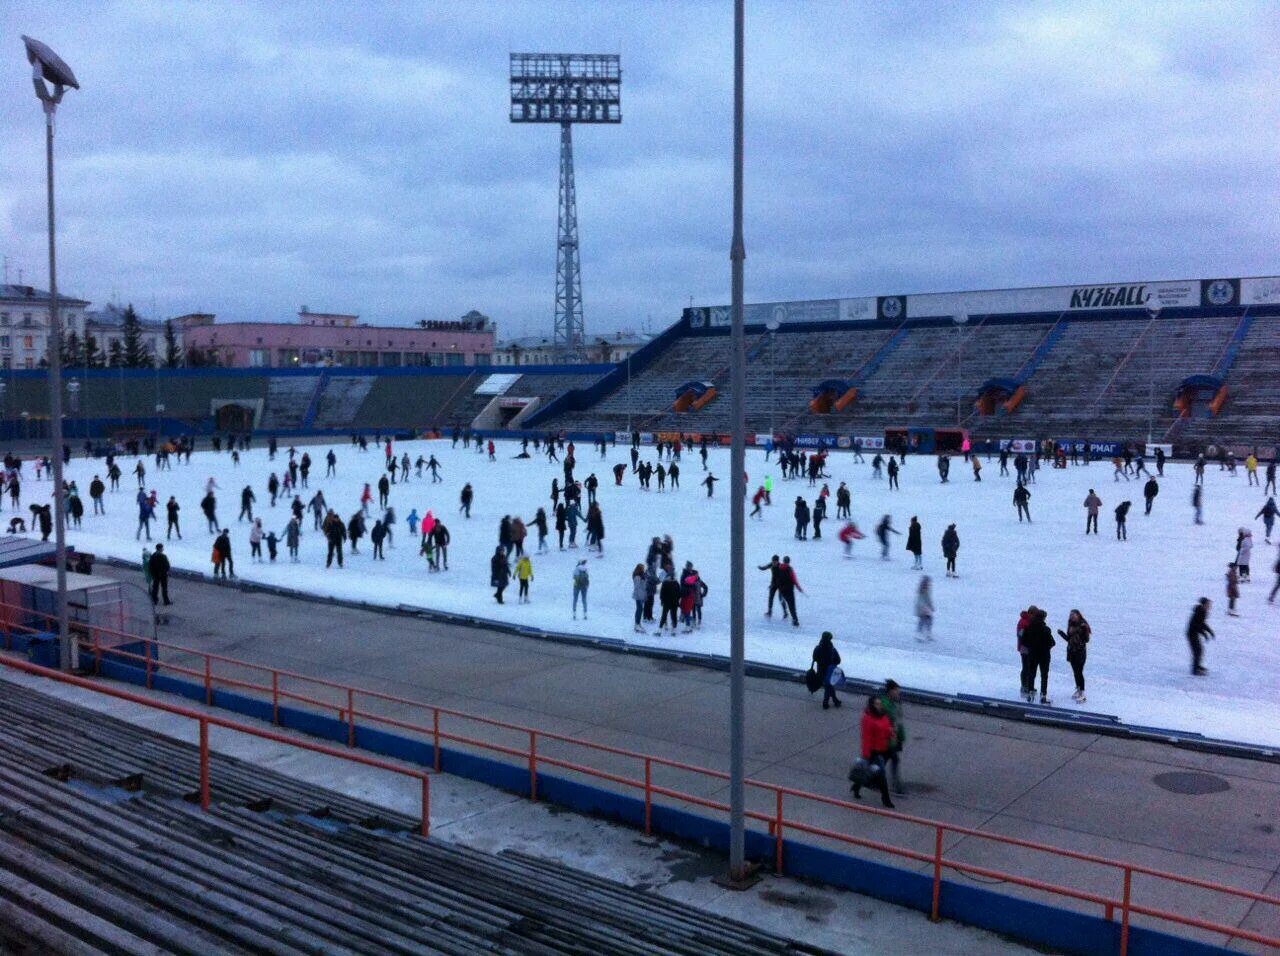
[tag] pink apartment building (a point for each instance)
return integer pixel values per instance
(324, 338)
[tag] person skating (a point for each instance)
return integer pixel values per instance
(883, 530)
(273, 488)
(1149, 492)
(915, 543)
(1022, 501)
(1268, 516)
(1092, 505)
(384, 490)
(710, 482)
(499, 573)
(595, 529)
(891, 702)
(1198, 630)
(1197, 503)
(377, 535)
(788, 585)
(924, 609)
(669, 599)
(1037, 638)
(223, 565)
(1077, 637)
(1233, 590)
(355, 530)
(158, 567)
(1270, 485)
(825, 660)
(893, 473)
(877, 742)
(843, 501)
(581, 582)
(977, 468)
(950, 549)
(146, 511)
(819, 513)
(96, 490)
(773, 566)
(1244, 553)
(639, 594)
(256, 534)
(465, 499)
(1122, 516)
(524, 577)
(802, 519)
(209, 504)
(292, 538)
(1271, 598)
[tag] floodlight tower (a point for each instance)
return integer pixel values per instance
(566, 88)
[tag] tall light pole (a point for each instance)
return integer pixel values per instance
(628, 396)
(48, 69)
(1153, 310)
(960, 319)
(737, 488)
(772, 325)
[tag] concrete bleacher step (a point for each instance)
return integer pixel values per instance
(99, 856)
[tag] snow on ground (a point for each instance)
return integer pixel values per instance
(1136, 594)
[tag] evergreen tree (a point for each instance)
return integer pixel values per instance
(172, 350)
(71, 350)
(92, 357)
(136, 354)
(115, 354)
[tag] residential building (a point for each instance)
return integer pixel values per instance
(339, 339)
(538, 350)
(106, 325)
(24, 323)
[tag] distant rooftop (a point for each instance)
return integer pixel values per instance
(10, 293)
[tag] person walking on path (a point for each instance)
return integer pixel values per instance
(825, 660)
(924, 609)
(159, 568)
(524, 577)
(499, 573)
(891, 701)
(1092, 505)
(915, 543)
(950, 549)
(1198, 630)
(1077, 637)
(581, 581)
(877, 743)
(1021, 501)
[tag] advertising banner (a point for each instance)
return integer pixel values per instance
(1097, 449)
(875, 442)
(622, 438)
(1260, 291)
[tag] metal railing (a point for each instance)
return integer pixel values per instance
(785, 804)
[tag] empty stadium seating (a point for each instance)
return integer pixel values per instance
(102, 852)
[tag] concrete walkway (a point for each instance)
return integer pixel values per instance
(1205, 816)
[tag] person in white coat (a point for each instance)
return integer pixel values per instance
(924, 609)
(1244, 551)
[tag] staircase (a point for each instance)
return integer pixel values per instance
(289, 398)
(340, 400)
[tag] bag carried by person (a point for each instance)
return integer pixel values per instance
(836, 677)
(866, 773)
(812, 679)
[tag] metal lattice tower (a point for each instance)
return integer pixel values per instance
(566, 88)
(570, 335)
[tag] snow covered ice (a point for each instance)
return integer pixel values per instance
(1136, 594)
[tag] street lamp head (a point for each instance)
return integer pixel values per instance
(47, 67)
(960, 318)
(1153, 307)
(773, 325)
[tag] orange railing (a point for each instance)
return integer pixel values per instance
(208, 720)
(351, 706)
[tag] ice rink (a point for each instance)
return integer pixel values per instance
(1137, 594)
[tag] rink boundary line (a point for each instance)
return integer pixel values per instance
(999, 708)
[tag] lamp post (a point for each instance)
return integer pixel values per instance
(1153, 310)
(772, 325)
(628, 396)
(49, 70)
(960, 319)
(738, 871)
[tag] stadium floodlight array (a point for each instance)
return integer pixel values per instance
(567, 88)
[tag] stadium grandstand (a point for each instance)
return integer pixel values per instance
(1170, 362)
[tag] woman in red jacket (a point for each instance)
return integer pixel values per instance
(877, 741)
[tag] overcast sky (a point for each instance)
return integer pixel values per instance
(247, 158)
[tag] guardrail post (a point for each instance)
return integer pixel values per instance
(533, 765)
(426, 806)
(935, 913)
(648, 796)
(777, 834)
(204, 764)
(1124, 911)
(275, 698)
(351, 717)
(148, 646)
(435, 737)
(208, 681)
